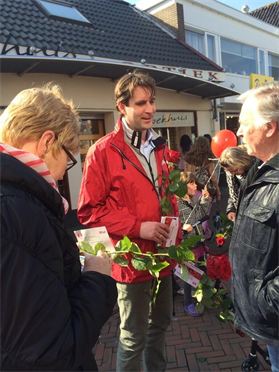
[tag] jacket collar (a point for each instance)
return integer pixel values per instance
(158, 141)
(20, 176)
(268, 172)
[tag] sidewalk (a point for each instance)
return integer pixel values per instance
(193, 344)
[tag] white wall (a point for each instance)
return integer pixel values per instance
(214, 17)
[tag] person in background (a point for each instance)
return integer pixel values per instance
(185, 145)
(52, 313)
(193, 207)
(236, 162)
(121, 189)
(254, 243)
(198, 161)
(208, 137)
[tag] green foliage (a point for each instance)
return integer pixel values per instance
(87, 248)
(141, 263)
(213, 298)
(166, 205)
(226, 225)
(171, 186)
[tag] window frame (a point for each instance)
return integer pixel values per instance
(45, 10)
(269, 65)
(256, 60)
(204, 35)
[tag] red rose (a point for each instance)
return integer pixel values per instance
(218, 267)
(220, 240)
(173, 156)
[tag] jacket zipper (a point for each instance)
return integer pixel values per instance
(135, 166)
(150, 168)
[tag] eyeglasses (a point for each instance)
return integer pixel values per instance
(71, 159)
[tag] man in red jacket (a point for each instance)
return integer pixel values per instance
(121, 189)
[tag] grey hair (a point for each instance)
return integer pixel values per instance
(266, 102)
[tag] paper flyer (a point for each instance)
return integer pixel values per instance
(95, 235)
(173, 223)
(189, 273)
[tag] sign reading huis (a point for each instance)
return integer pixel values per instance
(173, 119)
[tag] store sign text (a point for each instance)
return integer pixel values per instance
(173, 119)
(11, 50)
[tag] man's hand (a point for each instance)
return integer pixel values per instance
(156, 231)
(101, 263)
(231, 216)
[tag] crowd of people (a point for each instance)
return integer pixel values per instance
(52, 309)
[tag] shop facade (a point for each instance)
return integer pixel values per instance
(177, 113)
(88, 54)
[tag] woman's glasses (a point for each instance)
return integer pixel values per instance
(71, 159)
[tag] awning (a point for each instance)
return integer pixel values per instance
(169, 78)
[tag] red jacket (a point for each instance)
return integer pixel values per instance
(116, 193)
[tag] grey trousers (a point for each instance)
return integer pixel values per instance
(143, 326)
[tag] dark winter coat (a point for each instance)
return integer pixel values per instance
(51, 313)
(254, 254)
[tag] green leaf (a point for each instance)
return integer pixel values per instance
(173, 252)
(135, 248)
(160, 266)
(99, 247)
(166, 205)
(125, 244)
(120, 260)
(191, 241)
(173, 187)
(186, 255)
(181, 190)
(141, 263)
(198, 295)
(174, 174)
(86, 247)
(154, 273)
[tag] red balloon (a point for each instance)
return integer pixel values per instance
(222, 140)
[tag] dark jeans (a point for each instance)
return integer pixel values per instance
(273, 352)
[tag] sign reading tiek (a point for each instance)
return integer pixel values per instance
(173, 119)
(11, 50)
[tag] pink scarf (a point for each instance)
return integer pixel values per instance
(34, 162)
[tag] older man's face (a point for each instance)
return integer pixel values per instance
(253, 137)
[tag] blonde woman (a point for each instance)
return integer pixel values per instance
(52, 312)
(236, 162)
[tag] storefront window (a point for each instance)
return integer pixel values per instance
(273, 63)
(238, 58)
(91, 129)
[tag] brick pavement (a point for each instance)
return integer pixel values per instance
(193, 344)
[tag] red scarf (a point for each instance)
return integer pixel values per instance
(34, 162)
